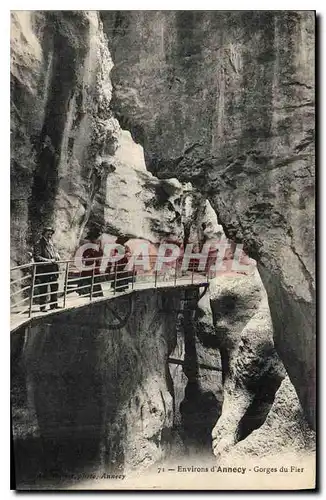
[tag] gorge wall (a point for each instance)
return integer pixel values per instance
(101, 389)
(226, 100)
(61, 125)
(93, 394)
(72, 166)
(146, 125)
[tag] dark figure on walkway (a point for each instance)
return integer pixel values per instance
(93, 259)
(46, 254)
(122, 277)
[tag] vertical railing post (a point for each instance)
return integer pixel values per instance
(115, 278)
(31, 295)
(65, 284)
(92, 283)
(155, 281)
(133, 277)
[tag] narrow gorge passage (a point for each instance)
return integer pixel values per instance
(236, 101)
(178, 145)
(130, 420)
(143, 410)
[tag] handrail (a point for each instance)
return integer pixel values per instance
(84, 260)
(19, 267)
(21, 279)
(19, 291)
(90, 282)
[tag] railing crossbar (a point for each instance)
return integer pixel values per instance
(79, 278)
(116, 278)
(43, 294)
(48, 274)
(25, 311)
(123, 278)
(20, 279)
(19, 291)
(20, 302)
(23, 266)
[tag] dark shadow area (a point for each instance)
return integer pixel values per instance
(199, 411)
(53, 462)
(257, 412)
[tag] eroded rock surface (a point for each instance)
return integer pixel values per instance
(252, 370)
(62, 126)
(72, 164)
(102, 396)
(284, 433)
(198, 382)
(136, 204)
(226, 100)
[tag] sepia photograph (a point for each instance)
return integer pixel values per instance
(162, 250)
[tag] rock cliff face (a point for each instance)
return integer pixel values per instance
(252, 370)
(72, 164)
(108, 398)
(104, 392)
(285, 432)
(62, 127)
(202, 106)
(226, 100)
(133, 203)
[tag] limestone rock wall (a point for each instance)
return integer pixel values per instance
(252, 369)
(226, 100)
(133, 203)
(284, 433)
(216, 100)
(62, 127)
(72, 166)
(102, 396)
(197, 382)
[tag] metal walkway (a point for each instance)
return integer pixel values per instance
(69, 288)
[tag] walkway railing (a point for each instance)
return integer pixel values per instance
(64, 284)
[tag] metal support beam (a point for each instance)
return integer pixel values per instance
(174, 361)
